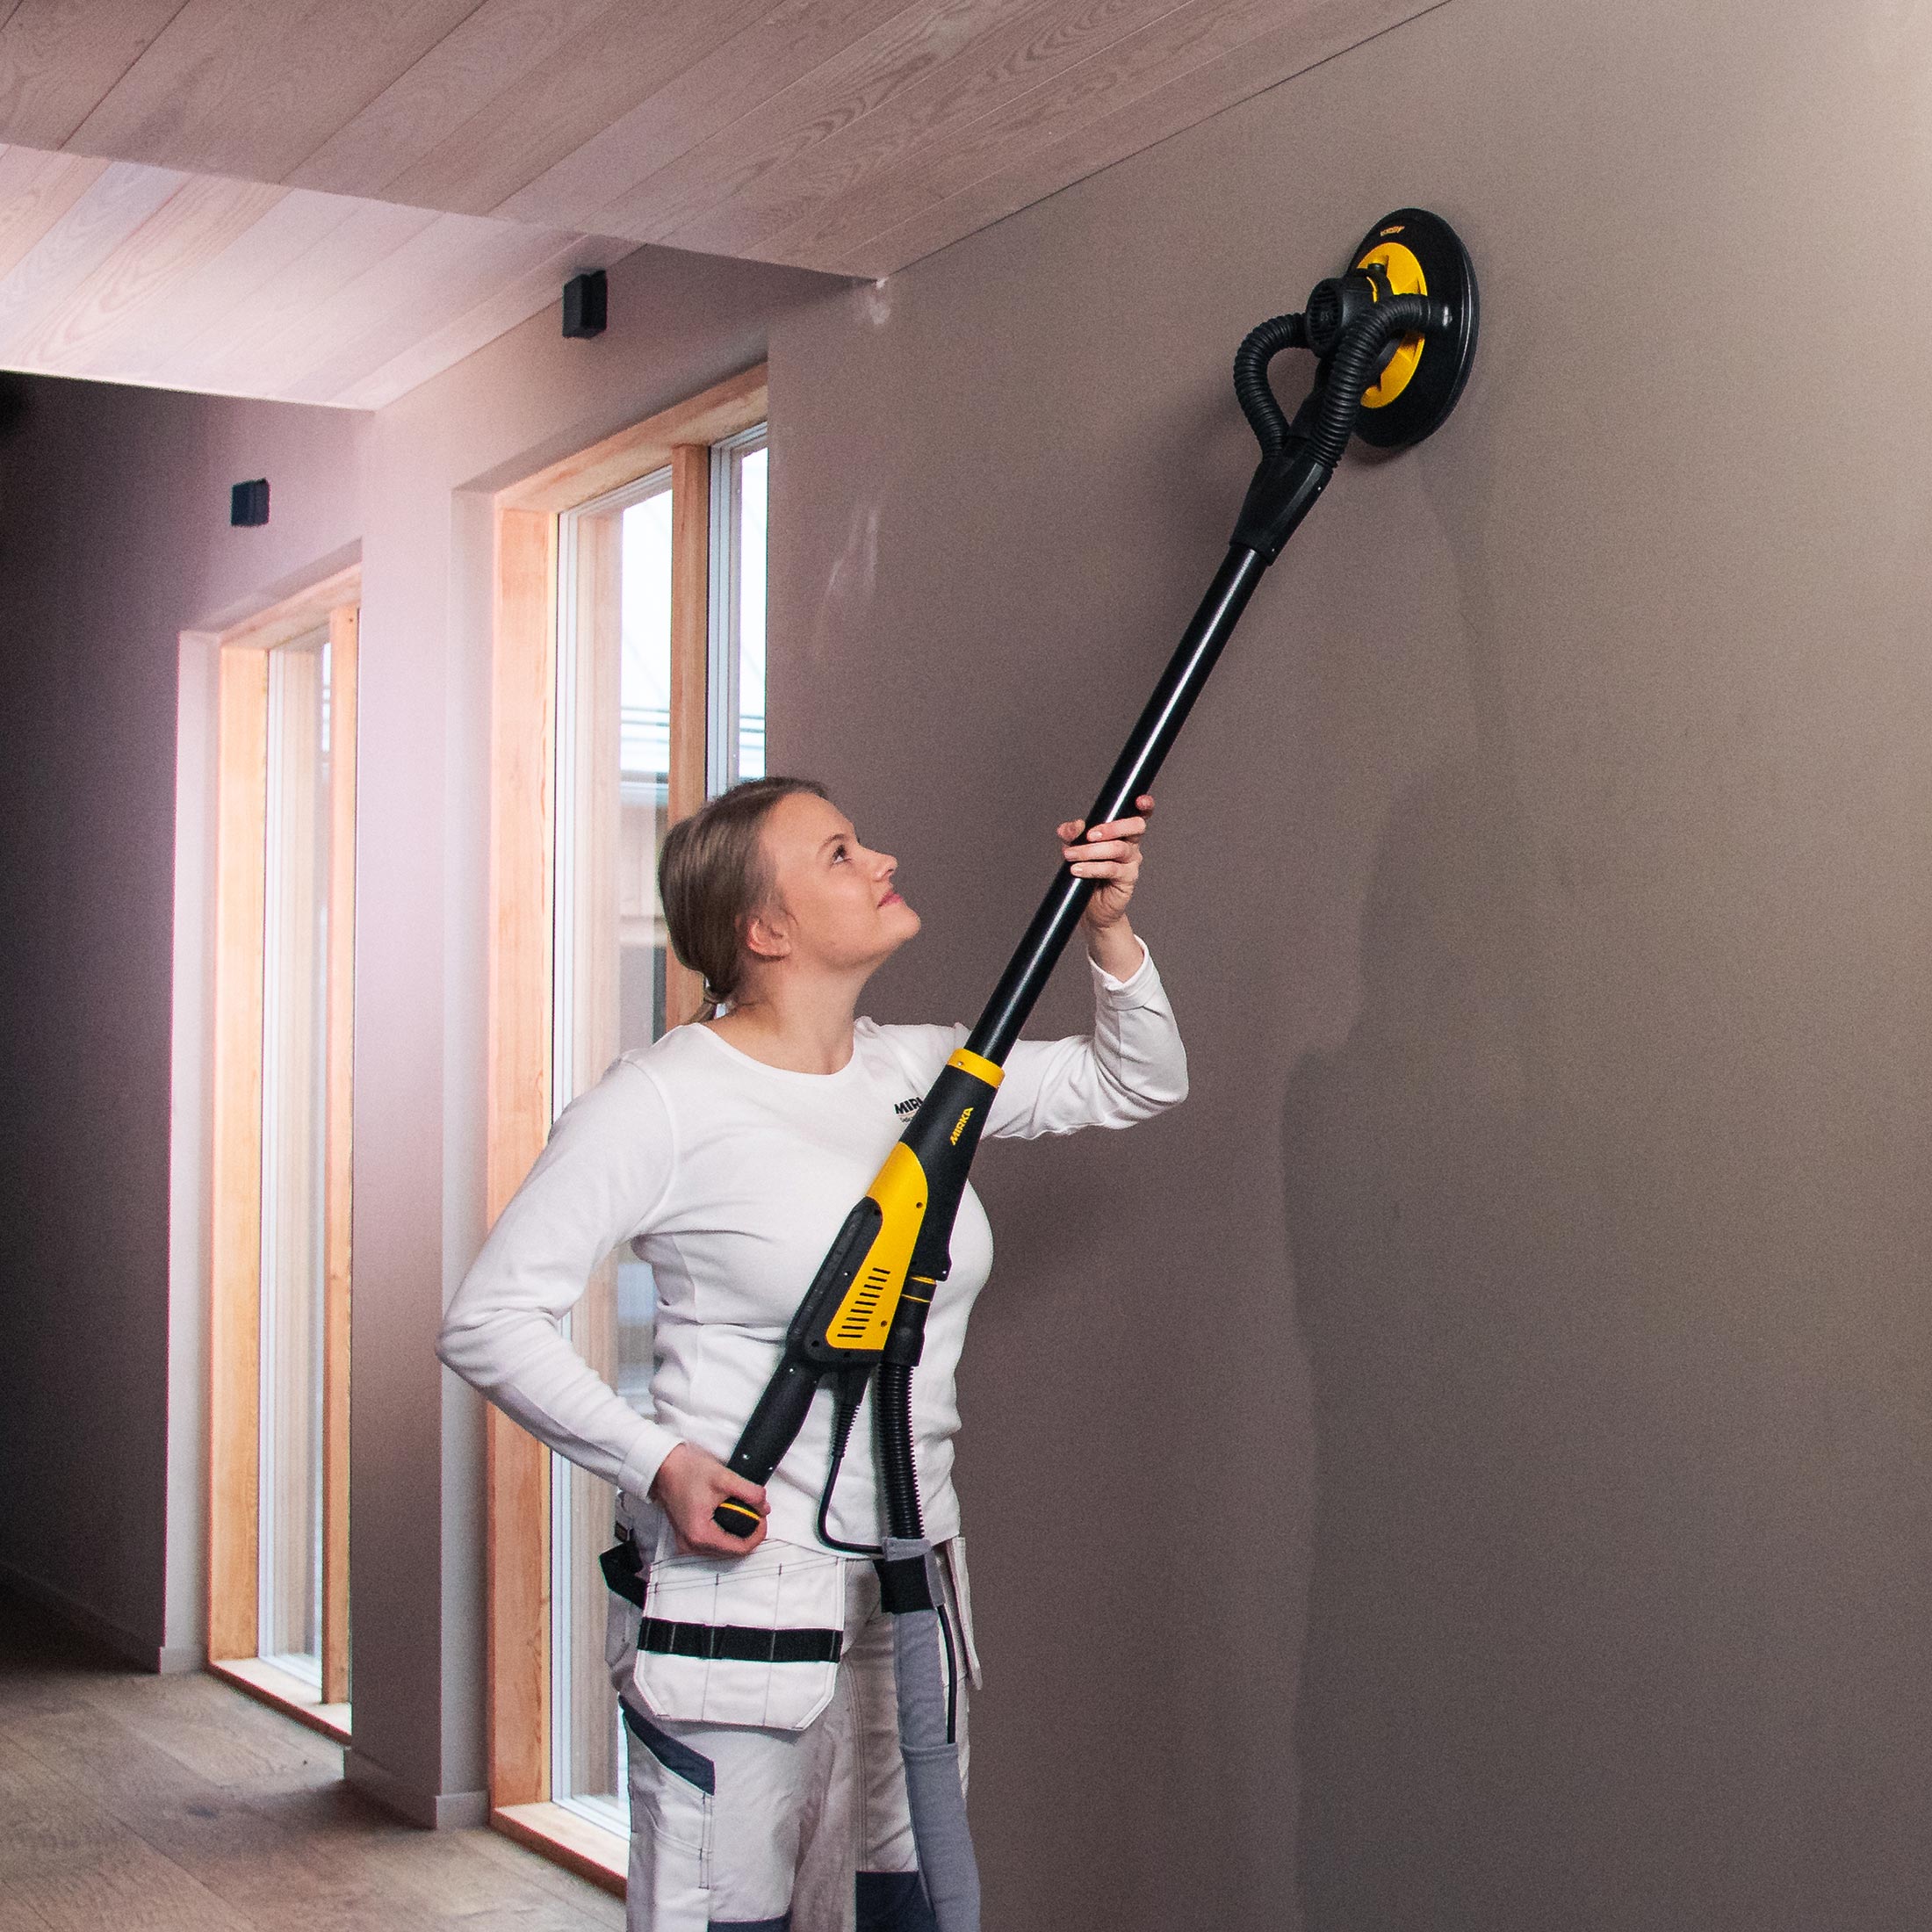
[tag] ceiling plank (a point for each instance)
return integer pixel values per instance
(497, 45)
(730, 80)
(120, 199)
(817, 105)
(295, 303)
(1194, 64)
(59, 58)
(625, 55)
(36, 191)
(187, 340)
(99, 310)
(463, 257)
(1118, 80)
(530, 293)
(252, 88)
(896, 139)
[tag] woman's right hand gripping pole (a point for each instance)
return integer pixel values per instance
(690, 1484)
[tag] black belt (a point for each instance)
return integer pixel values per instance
(737, 1643)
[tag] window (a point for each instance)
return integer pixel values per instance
(630, 621)
(295, 1160)
(737, 739)
(279, 1519)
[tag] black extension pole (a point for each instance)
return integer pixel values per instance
(1032, 963)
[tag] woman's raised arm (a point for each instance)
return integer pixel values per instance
(1132, 1065)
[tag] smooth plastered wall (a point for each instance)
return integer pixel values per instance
(1468, 1468)
(1464, 1469)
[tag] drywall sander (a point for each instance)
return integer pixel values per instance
(1394, 336)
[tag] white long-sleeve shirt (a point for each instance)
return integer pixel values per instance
(731, 1178)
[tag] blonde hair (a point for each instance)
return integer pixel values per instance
(713, 877)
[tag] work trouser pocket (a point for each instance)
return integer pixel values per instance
(672, 1798)
(745, 1640)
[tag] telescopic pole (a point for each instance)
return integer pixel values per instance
(1159, 725)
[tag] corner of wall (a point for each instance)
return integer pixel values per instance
(447, 1811)
(131, 1646)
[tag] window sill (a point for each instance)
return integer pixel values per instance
(284, 1692)
(573, 1841)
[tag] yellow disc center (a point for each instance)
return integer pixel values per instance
(1404, 275)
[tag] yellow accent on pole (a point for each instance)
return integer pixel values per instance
(865, 1315)
(981, 1069)
(1405, 278)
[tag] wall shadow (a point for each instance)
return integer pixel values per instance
(1603, 1629)
(1412, 1153)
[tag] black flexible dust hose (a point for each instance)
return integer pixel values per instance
(1260, 346)
(1356, 363)
(892, 1406)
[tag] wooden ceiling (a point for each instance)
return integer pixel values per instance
(329, 201)
(123, 272)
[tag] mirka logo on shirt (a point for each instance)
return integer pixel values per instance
(906, 1109)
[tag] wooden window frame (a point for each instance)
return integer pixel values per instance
(523, 847)
(235, 1270)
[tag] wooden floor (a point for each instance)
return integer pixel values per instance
(131, 1803)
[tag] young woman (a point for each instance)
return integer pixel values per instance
(766, 1794)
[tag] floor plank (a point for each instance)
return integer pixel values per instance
(180, 1804)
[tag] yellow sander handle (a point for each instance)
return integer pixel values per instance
(866, 1304)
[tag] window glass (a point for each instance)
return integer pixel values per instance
(294, 1148)
(739, 476)
(750, 611)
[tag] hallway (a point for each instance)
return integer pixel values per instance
(132, 1803)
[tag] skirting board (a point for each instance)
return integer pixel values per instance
(128, 1645)
(451, 1810)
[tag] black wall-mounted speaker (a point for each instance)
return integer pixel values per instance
(248, 503)
(586, 299)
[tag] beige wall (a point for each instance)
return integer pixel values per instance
(1499, 1404)
(1465, 1468)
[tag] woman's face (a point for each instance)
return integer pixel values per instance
(832, 905)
